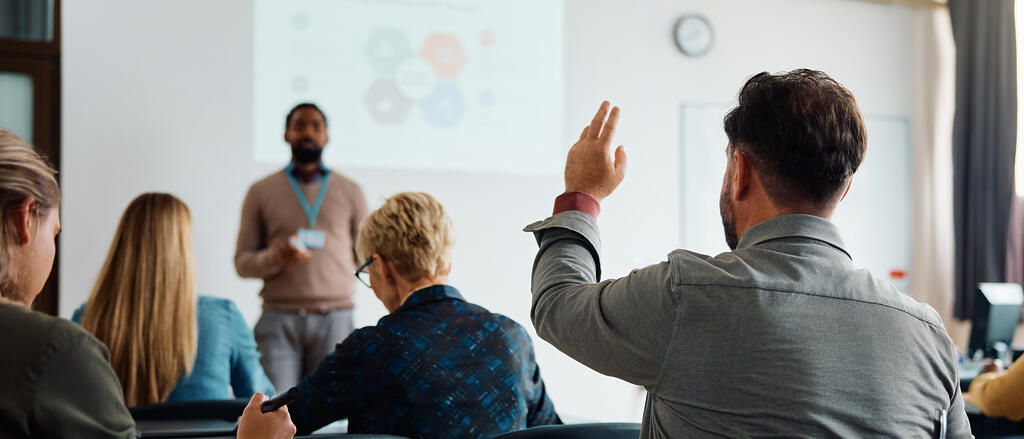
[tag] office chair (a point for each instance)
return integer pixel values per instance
(617, 430)
(227, 410)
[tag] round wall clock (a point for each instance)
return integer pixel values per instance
(693, 35)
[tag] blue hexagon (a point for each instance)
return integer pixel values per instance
(386, 48)
(445, 107)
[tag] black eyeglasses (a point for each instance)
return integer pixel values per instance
(362, 274)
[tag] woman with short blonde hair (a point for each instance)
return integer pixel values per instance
(446, 367)
(413, 232)
(144, 308)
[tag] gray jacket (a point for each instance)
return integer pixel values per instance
(782, 337)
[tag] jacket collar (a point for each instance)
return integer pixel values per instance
(430, 294)
(794, 226)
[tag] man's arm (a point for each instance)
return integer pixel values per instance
(618, 327)
(254, 257)
(79, 394)
(1000, 394)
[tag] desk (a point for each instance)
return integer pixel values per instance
(174, 429)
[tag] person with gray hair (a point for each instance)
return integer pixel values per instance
(57, 378)
(437, 366)
(783, 336)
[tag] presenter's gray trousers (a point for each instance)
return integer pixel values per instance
(291, 344)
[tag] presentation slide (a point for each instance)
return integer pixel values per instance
(446, 85)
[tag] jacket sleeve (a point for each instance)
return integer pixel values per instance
(1000, 394)
(540, 409)
(618, 327)
(79, 395)
(253, 257)
(333, 391)
(247, 374)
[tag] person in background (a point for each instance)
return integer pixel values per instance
(165, 343)
(297, 233)
(998, 393)
(437, 366)
(782, 336)
(57, 379)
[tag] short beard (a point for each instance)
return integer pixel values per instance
(728, 217)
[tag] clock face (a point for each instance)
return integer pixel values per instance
(693, 35)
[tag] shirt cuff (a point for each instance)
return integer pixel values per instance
(577, 201)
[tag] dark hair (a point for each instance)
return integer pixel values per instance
(288, 118)
(803, 133)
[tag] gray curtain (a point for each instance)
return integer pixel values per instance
(984, 142)
(27, 20)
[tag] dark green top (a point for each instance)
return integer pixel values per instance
(57, 380)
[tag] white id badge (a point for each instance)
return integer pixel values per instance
(312, 238)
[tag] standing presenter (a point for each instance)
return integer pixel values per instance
(298, 233)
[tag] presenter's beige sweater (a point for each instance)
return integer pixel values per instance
(272, 212)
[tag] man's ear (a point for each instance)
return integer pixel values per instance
(743, 175)
(23, 216)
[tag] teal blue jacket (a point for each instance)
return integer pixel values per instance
(227, 364)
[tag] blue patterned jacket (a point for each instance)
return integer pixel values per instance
(437, 367)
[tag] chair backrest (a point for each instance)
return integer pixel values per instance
(617, 430)
(228, 410)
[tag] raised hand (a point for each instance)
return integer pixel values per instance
(590, 167)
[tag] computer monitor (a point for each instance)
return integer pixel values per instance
(997, 309)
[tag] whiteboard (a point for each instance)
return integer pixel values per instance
(874, 219)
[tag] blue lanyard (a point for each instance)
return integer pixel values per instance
(311, 211)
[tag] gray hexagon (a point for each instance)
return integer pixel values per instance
(386, 48)
(445, 107)
(385, 103)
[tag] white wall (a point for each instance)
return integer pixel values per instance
(157, 97)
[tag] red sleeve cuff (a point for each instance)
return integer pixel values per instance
(577, 201)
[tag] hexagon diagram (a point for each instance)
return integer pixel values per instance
(385, 103)
(386, 48)
(444, 52)
(445, 107)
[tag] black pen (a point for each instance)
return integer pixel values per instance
(280, 400)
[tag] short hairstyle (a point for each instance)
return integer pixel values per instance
(412, 230)
(803, 132)
(23, 174)
(288, 118)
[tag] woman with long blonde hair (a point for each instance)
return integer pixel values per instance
(165, 344)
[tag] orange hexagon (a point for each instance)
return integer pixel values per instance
(444, 52)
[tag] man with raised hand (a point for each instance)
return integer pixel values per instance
(782, 336)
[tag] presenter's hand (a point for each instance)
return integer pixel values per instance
(590, 167)
(256, 425)
(287, 255)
